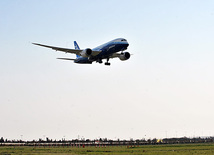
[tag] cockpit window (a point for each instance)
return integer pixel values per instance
(123, 40)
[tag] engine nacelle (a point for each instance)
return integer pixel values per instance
(86, 52)
(124, 56)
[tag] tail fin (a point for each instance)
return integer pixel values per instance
(76, 47)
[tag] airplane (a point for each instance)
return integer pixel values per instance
(111, 49)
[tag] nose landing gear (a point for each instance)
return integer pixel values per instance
(107, 63)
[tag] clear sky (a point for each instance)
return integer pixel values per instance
(164, 90)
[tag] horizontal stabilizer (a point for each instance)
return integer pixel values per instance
(66, 59)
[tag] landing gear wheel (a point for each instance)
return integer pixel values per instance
(107, 63)
(99, 61)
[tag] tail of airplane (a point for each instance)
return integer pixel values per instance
(77, 48)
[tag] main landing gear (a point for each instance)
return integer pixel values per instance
(100, 61)
(107, 63)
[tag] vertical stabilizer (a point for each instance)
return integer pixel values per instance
(76, 47)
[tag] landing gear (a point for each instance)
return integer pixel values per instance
(100, 61)
(107, 63)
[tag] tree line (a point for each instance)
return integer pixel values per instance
(105, 141)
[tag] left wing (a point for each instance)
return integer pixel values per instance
(115, 55)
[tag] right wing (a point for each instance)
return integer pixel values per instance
(67, 50)
(66, 59)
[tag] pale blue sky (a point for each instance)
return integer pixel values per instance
(165, 89)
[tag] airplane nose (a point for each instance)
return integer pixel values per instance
(127, 45)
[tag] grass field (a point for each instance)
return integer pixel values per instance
(184, 149)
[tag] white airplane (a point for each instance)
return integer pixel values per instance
(111, 49)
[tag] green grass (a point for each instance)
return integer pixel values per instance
(175, 149)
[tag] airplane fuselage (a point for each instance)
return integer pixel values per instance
(107, 50)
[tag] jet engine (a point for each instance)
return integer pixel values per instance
(124, 56)
(86, 52)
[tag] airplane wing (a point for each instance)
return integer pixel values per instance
(67, 50)
(66, 59)
(122, 56)
(115, 55)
